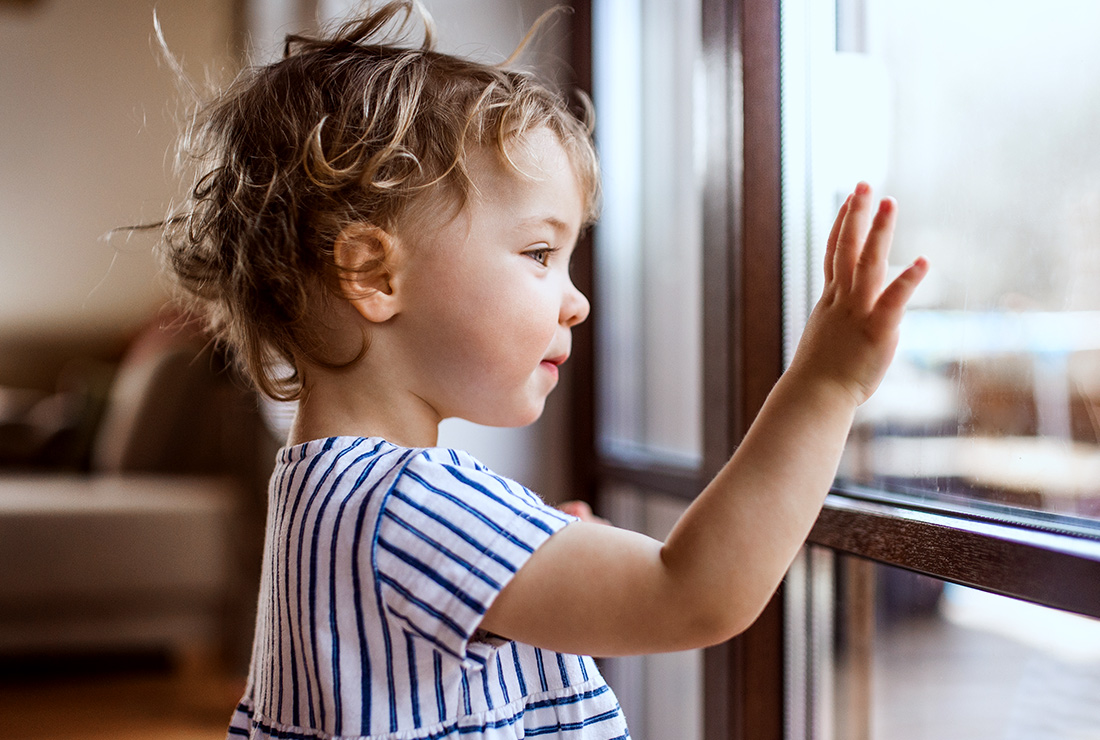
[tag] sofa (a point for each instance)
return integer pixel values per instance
(154, 543)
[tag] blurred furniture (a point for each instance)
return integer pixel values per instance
(1047, 339)
(156, 546)
(998, 405)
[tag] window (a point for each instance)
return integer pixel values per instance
(977, 462)
(648, 246)
(909, 657)
(670, 393)
(987, 144)
(967, 501)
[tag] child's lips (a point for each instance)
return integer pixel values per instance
(551, 364)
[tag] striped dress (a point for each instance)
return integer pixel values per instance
(379, 564)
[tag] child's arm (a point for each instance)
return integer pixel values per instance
(599, 590)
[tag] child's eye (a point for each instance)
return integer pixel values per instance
(541, 254)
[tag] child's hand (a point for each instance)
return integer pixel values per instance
(852, 333)
(582, 511)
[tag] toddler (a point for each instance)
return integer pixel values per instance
(383, 233)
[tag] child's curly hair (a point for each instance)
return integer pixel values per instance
(346, 128)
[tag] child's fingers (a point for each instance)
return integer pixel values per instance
(890, 306)
(853, 232)
(579, 509)
(870, 271)
(834, 234)
(582, 511)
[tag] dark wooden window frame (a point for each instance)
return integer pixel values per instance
(1021, 559)
(742, 333)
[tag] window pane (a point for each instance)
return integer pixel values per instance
(893, 655)
(980, 119)
(950, 661)
(648, 241)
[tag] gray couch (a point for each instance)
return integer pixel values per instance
(158, 545)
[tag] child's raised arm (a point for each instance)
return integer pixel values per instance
(598, 590)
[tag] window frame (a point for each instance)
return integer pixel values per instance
(745, 680)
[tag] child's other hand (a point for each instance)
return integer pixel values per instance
(852, 333)
(582, 511)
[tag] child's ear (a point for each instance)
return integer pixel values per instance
(365, 256)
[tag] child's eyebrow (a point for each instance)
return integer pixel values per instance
(552, 221)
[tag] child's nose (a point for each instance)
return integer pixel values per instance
(574, 307)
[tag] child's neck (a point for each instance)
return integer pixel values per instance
(329, 409)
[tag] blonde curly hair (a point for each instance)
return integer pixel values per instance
(349, 127)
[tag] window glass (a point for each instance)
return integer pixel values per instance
(649, 240)
(949, 661)
(880, 653)
(980, 119)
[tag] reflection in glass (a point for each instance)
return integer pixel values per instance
(982, 124)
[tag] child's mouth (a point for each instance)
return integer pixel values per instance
(551, 364)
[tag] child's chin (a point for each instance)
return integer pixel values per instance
(519, 419)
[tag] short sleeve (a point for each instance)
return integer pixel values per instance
(451, 534)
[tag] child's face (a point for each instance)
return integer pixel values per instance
(488, 302)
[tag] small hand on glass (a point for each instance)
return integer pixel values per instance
(852, 333)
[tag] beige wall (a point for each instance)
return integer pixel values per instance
(86, 124)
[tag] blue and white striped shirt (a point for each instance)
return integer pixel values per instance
(379, 565)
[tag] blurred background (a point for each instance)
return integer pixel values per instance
(133, 462)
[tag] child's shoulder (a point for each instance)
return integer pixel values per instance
(450, 469)
(446, 477)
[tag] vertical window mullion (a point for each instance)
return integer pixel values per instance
(743, 317)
